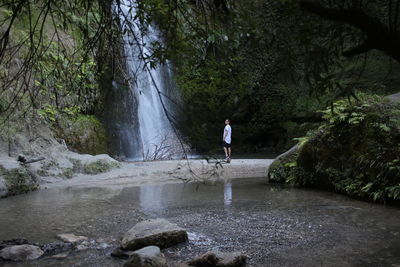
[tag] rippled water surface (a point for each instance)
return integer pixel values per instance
(274, 225)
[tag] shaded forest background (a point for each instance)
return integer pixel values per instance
(269, 66)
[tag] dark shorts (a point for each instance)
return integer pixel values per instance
(225, 144)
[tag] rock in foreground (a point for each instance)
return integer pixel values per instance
(14, 242)
(71, 238)
(157, 232)
(150, 256)
(120, 253)
(56, 248)
(219, 259)
(21, 253)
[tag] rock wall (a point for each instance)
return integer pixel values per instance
(36, 140)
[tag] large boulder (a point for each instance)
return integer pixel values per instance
(150, 256)
(219, 259)
(394, 98)
(157, 232)
(15, 178)
(13, 242)
(21, 253)
(355, 152)
(278, 171)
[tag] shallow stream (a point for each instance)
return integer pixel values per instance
(273, 225)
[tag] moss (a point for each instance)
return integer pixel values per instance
(42, 172)
(18, 181)
(76, 165)
(99, 166)
(281, 170)
(83, 133)
(356, 151)
(49, 165)
(67, 173)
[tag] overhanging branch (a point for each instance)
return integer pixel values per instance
(379, 36)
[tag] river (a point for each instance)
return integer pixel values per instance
(273, 225)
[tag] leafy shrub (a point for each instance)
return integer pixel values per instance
(355, 152)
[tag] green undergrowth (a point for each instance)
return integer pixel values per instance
(99, 166)
(355, 152)
(82, 133)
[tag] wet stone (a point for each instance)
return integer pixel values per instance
(150, 256)
(60, 256)
(207, 259)
(56, 248)
(21, 253)
(122, 254)
(219, 259)
(71, 238)
(84, 245)
(13, 242)
(179, 264)
(157, 232)
(102, 246)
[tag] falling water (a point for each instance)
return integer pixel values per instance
(151, 87)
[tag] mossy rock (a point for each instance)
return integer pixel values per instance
(280, 169)
(313, 156)
(17, 181)
(83, 134)
(99, 166)
(356, 152)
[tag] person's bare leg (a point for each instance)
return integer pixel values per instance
(226, 152)
(229, 152)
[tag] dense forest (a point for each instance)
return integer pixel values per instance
(284, 72)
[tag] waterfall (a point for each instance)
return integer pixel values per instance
(152, 89)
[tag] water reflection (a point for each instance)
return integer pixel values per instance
(228, 194)
(151, 198)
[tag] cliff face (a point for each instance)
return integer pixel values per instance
(50, 99)
(36, 140)
(120, 108)
(49, 78)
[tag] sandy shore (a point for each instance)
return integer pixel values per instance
(171, 171)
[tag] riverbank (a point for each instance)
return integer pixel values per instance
(169, 171)
(60, 167)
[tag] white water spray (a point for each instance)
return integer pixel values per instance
(151, 88)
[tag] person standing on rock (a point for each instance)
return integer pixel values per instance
(226, 139)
